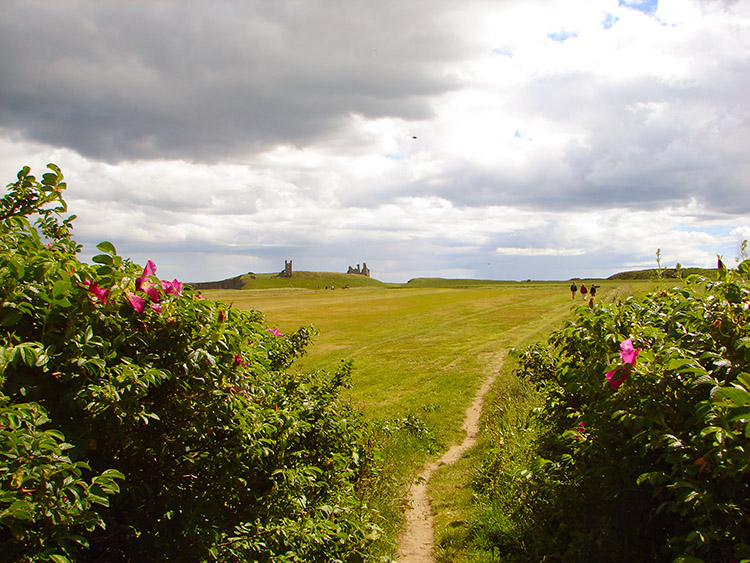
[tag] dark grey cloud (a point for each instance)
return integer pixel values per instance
(202, 81)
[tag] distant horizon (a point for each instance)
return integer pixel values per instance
(520, 280)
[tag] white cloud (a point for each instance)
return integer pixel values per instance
(515, 251)
(452, 138)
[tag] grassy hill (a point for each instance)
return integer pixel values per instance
(322, 280)
(300, 279)
(451, 283)
(668, 273)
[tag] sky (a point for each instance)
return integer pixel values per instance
(505, 139)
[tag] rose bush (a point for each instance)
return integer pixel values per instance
(641, 460)
(140, 422)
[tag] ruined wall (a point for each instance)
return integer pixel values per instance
(287, 272)
(364, 271)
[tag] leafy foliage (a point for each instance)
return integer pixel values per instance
(140, 422)
(655, 469)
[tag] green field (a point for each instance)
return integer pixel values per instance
(423, 349)
(420, 349)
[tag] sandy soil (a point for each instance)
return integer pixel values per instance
(417, 541)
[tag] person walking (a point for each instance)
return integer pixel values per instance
(584, 291)
(592, 294)
(573, 290)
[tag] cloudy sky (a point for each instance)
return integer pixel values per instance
(505, 139)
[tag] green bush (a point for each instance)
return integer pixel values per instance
(640, 456)
(141, 422)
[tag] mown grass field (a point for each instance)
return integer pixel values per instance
(422, 349)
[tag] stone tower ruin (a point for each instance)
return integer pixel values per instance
(287, 273)
(365, 271)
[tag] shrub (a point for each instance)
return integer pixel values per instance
(186, 435)
(641, 455)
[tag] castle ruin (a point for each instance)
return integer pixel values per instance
(287, 273)
(365, 271)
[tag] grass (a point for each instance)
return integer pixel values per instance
(303, 280)
(422, 351)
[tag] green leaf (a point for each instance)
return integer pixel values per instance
(29, 355)
(679, 362)
(107, 247)
(61, 287)
(10, 317)
(103, 259)
(740, 413)
(20, 510)
(49, 179)
(16, 267)
(739, 397)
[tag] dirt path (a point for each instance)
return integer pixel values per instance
(417, 541)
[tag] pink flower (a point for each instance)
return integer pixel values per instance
(173, 288)
(138, 303)
(627, 353)
(618, 375)
(149, 270)
(153, 293)
(156, 307)
(274, 331)
(238, 361)
(99, 293)
(144, 283)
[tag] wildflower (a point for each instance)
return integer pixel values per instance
(156, 307)
(138, 303)
(172, 288)
(148, 270)
(99, 293)
(238, 361)
(145, 284)
(628, 354)
(274, 331)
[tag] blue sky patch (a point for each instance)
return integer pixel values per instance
(395, 156)
(503, 52)
(561, 36)
(646, 6)
(609, 20)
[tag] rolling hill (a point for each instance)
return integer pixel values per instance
(327, 280)
(299, 279)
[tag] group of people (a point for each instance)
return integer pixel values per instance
(590, 292)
